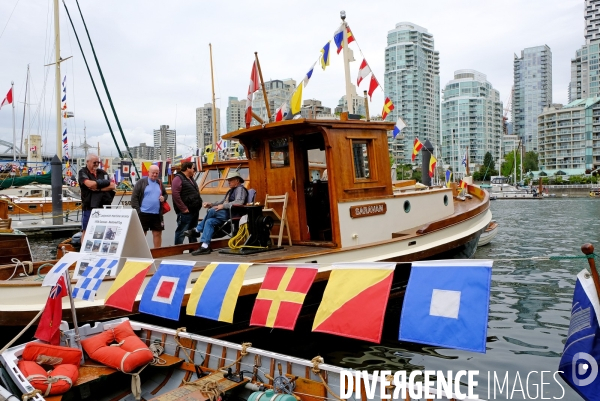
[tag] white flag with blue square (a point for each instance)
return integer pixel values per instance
(91, 278)
(59, 268)
(164, 292)
(446, 304)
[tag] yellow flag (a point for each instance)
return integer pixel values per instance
(296, 102)
(210, 157)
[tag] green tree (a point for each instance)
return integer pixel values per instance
(530, 161)
(488, 162)
(508, 166)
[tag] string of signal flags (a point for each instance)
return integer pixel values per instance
(324, 60)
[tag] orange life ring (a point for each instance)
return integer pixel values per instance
(64, 360)
(127, 354)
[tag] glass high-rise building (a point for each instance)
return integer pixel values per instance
(412, 82)
(471, 116)
(236, 114)
(592, 20)
(164, 143)
(278, 92)
(533, 92)
(205, 126)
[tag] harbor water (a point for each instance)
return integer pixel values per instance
(529, 310)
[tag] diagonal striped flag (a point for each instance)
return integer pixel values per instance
(92, 277)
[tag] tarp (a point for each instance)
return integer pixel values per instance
(26, 180)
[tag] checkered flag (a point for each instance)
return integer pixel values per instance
(92, 277)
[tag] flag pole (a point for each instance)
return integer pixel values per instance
(214, 110)
(346, 54)
(588, 249)
(262, 82)
(73, 310)
(467, 161)
(12, 92)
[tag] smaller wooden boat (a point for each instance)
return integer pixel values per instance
(15, 244)
(488, 234)
(193, 367)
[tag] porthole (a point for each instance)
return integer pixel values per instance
(406, 206)
(445, 200)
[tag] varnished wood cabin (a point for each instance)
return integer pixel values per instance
(357, 162)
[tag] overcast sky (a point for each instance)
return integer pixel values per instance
(155, 54)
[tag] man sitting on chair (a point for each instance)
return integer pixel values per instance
(218, 213)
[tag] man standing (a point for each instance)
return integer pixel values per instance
(97, 189)
(218, 212)
(148, 194)
(186, 201)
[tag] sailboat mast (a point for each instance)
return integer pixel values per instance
(346, 52)
(57, 81)
(12, 91)
(24, 110)
(214, 107)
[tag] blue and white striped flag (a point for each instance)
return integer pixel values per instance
(92, 277)
(400, 124)
(59, 268)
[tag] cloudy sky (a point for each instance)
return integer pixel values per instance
(155, 54)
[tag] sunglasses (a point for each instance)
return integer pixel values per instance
(95, 163)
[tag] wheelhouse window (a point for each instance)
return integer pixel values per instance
(360, 156)
(280, 153)
(213, 174)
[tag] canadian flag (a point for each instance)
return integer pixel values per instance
(253, 87)
(281, 112)
(363, 71)
(8, 99)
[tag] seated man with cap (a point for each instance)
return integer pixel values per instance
(218, 213)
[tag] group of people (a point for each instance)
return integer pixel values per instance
(148, 195)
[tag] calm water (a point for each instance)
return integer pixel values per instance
(529, 307)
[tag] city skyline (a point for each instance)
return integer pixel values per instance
(160, 76)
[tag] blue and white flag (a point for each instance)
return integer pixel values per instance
(464, 160)
(308, 74)
(164, 293)
(91, 278)
(59, 268)
(338, 38)
(446, 304)
(579, 362)
(400, 124)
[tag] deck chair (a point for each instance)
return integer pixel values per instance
(230, 227)
(5, 225)
(278, 219)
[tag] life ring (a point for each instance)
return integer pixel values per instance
(65, 367)
(126, 355)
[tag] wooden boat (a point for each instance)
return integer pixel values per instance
(357, 214)
(15, 244)
(29, 202)
(186, 367)
(488, 234)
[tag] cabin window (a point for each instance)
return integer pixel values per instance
(280, 153)
(213, 175)
(360, 155)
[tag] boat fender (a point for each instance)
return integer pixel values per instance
(270, 395)
(128, 354)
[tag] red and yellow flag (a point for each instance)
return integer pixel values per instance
(122, 293)
(388, 106)
(463, 184)
(281, 296)
(416, 147)
(146, 168)
(432, 163)
(354, 300)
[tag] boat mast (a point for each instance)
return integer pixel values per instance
(347, 56)
(214, 109)
(12, 91)
(24, 110)
(515, 162)
(57, 81)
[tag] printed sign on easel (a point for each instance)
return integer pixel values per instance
(114, 233)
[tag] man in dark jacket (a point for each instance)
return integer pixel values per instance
(147, 197)
(97, 189)
(186, 201)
